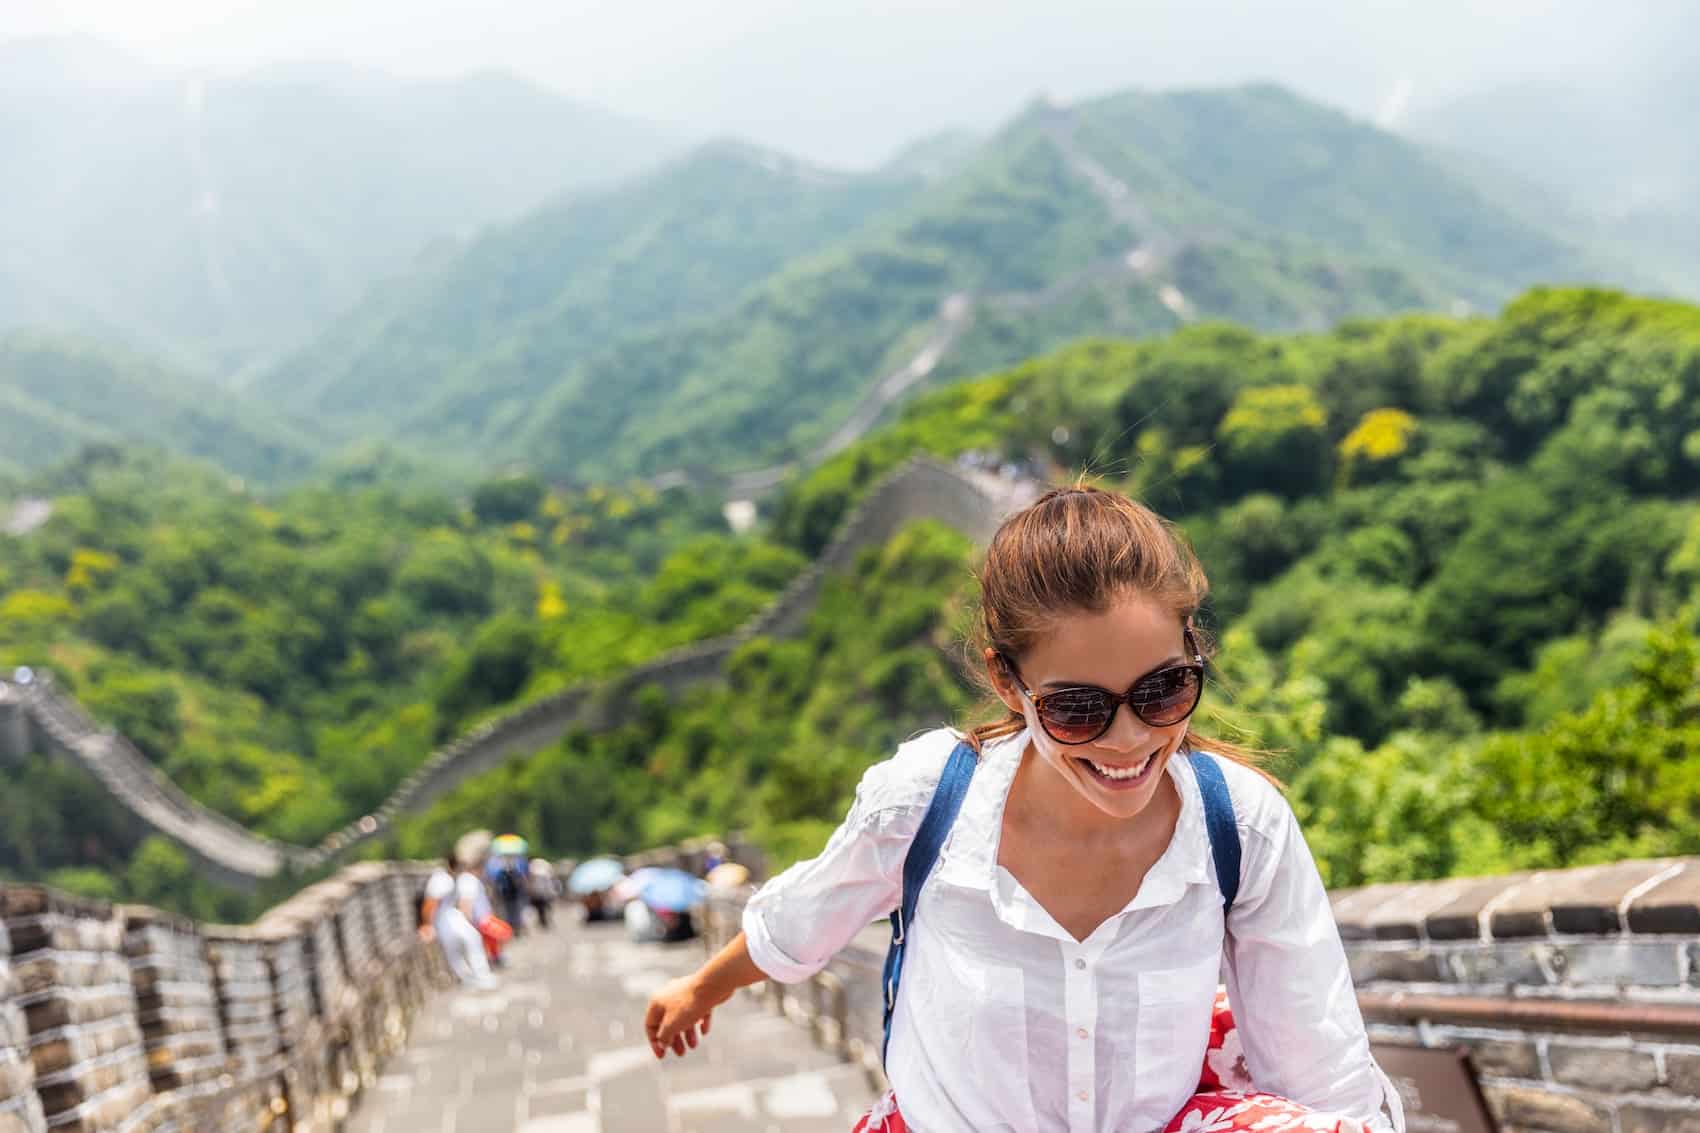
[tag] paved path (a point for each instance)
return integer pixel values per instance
(559, 1049)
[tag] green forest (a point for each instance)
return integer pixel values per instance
(1456, 586)
(287, 660)
(1456, 569)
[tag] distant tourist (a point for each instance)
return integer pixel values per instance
(541, 885)
(444, 918)
(475, 903)
(1100, 864)
(508, 879)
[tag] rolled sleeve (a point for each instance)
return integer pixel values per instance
(798, 921)
(768, 956)
(1291, 989)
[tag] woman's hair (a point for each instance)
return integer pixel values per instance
(1080, 549)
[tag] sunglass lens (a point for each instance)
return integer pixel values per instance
(1167, 697)
(1075, 716)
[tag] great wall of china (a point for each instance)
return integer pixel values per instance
(39, 716)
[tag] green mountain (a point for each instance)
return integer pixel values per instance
(219, 220)
(58, 394)
(463, 352)
(1132, 214)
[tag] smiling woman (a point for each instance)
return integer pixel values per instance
(1069, 884)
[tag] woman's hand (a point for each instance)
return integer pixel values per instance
(679, 1012)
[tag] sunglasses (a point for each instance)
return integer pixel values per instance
(1080, 714)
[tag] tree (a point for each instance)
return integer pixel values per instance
(1275, 438)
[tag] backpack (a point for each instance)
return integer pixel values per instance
(1219, 824)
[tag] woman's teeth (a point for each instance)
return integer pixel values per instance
(1121, 772)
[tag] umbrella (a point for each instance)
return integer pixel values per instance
(729, 875)
(510, 844)
(632, 884)
(594, 876)
(672, 890)
(472, 847)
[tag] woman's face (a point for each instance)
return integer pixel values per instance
(1120, 771)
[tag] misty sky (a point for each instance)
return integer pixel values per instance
(846, 82)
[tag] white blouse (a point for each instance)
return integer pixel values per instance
(1005, 1022)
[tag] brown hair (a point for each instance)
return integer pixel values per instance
(1079, 549)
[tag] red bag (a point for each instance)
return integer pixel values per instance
(496, 932)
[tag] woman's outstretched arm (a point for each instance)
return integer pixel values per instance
(680, 1011)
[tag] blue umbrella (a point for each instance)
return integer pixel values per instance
(672, 890)
(594, 876)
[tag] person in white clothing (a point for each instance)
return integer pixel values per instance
(444, 918)
(1061, 959)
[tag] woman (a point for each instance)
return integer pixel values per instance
(1061, 959)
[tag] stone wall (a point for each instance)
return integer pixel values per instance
(129, 1020)
(1575, 993)
(40, 716)
(20, 1108)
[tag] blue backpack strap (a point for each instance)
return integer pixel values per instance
(918, 863)
(1220, 824)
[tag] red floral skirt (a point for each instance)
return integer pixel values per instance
(1226, 1101)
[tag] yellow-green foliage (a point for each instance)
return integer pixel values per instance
(1382, 434)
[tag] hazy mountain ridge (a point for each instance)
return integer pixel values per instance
(1615, 161)
(466, 347)
(1130, 214)
(220, 218)
(58, 394)
(734, 307)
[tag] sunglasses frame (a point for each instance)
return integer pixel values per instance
(1037, 700)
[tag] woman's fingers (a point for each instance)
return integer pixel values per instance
(707, 1017)
(653, 1020)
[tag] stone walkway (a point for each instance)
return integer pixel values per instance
(559, 1049)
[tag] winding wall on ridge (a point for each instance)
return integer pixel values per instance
(39, 716)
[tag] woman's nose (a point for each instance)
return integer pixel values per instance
(1128, 733)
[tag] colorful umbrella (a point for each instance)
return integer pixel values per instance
(510, 844)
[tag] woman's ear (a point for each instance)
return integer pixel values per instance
(1003, 681)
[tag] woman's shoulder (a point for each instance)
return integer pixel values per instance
(1259, 805)
(910, 776)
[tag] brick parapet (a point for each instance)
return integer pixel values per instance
(131, 1020)
(1594, 971)
(1575, 992)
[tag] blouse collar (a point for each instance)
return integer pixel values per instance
(1184, 862)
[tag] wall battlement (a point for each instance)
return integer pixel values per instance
(124, 1019)
(40, 716)
(1575, 993)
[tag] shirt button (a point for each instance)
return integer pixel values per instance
(1081, 1032)
(1083, 1095)
(1081, 964)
